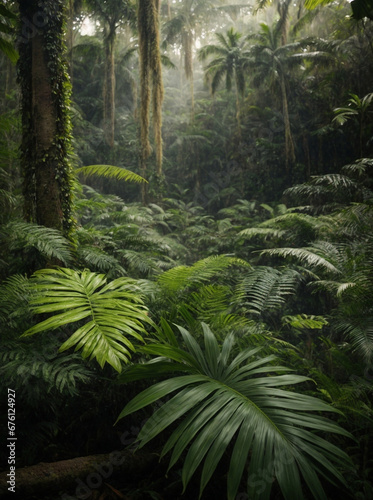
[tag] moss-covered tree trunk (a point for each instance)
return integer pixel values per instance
(45, 89)
(151, 86)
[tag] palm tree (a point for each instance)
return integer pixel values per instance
(357, 110)
(271, 60)
(231, 62)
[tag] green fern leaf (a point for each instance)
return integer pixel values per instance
(111, 172)
(304, 255)
(49, 242)
(200, 272)
(265, 289)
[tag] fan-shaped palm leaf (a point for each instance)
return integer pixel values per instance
(222, 401)
(112, 311)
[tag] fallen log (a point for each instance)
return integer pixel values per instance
(81, 475)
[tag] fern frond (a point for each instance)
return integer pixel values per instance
(305, 321)
(359, 331)
(138, 262)
(58, 373)
(359, 168)
(14, 298)
(204, 270)
(110, 171)
(112, 312)
(7, 200)
(264, 232)
(98, 260)
(306, 255)
(265, 289)
(49, 242)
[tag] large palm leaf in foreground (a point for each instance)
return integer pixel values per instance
(222, 402)
(113, 311)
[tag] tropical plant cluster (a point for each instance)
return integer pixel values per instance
(212, 296)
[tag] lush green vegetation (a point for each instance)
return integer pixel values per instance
(205, 282)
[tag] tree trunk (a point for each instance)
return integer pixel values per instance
(238, 110)
(79, 476)
(70, 39)
(289, 143)
(109, 90)
(45, 92)
(187, 43)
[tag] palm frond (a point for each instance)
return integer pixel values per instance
(167, 63)
(112, 312)
(222, 400)
(209, 50)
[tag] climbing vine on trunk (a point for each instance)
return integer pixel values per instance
(45, 88)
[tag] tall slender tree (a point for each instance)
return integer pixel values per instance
(181, 28)
(271, 58)
(112, 14)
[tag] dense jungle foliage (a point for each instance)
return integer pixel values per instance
(207, 290)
